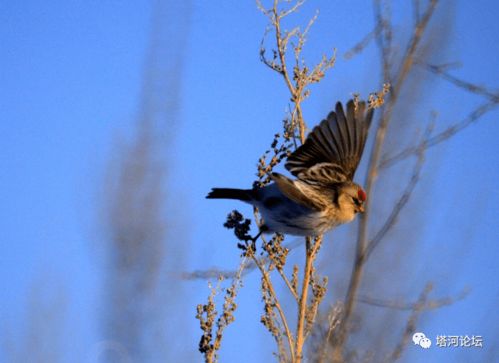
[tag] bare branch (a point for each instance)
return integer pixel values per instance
(251, 266)
(362, 44)
(262, 8)
(333, 320)
(468, 86)
(401, 203)
(399, 305)
(281, 50)
(441, 136)
(312, 247)
(411, 323)
(288, 284)
(302, 38)
(208, 274)
(211, 339)
(318, 287)
(277, 305)
(384, 39)
(300, 78)
(413, 45)
(291, 10)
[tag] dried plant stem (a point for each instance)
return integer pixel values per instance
(301, 122)
(311, 252)
(392, 218)
(281, 50)
(410, 327)
(287, 331)
(213, 327)
(301, 77)
(333, 320)
(288, 284)
(401, 305)
(441, 136)
(280, 270)
(228, 274)
(450, 131)
(467, 86)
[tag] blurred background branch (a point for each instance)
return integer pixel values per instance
(141, 299)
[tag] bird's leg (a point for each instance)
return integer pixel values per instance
(254, 239)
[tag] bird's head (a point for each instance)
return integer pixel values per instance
(351, 200)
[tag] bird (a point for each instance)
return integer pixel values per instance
(323, 195)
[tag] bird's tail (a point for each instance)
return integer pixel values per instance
(245, 195)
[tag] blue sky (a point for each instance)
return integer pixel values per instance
(71, 75)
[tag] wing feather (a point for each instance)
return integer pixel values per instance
(343, 128)
(336, 143)
(290, 190)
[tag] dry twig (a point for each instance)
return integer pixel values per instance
(400, 305)
(410, 327)
(401, 203)
(467, 86)
(440, 137)
(212, 326)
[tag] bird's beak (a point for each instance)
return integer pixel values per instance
(361, 208)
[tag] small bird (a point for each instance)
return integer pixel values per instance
(324, 194)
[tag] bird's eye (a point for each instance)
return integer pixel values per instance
(356, 201)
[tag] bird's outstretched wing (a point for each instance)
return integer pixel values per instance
(332, 151)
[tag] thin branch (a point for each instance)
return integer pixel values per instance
(288, 284)
(278, 263)
(468, 86)
(302, 38)
(401, 203)
(270, 320)
(311, 253)
(294, 8)
(281, 49)
(334, 317)
(364, 42)
(399, 305)
(300, 78)
(262, 8)
(208, 274)
(211, 339)
(383, 38)
(251, 266)
(410, 327)
(277, 305)
(440, 137)
(413, 45)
